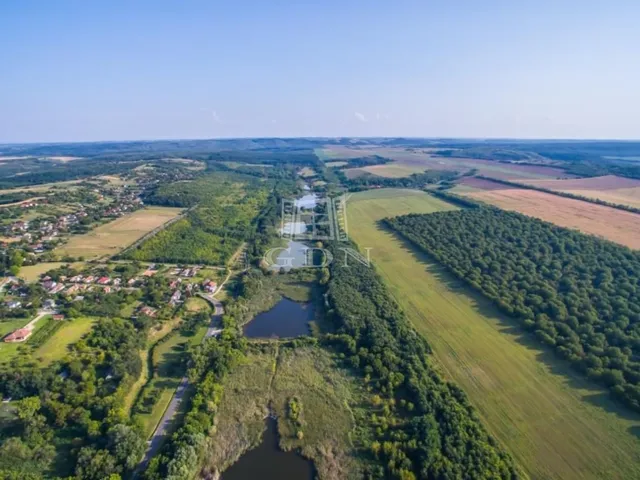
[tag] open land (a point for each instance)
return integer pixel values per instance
(612, 224)
(111, 238)
(31, 273)
(419, 161)
(610, 188)
(553, 422)
(57, 347)
(271, 375)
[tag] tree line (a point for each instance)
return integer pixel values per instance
(577, 293)
(427, 428)
(574, 196)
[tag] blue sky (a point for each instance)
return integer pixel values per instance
(98, 70)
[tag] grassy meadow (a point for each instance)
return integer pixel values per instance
(112, 237)
(57, 347)
(554, 424)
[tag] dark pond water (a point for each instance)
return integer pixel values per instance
(286, 319)
(268, 462)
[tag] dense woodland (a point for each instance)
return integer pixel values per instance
(577, 293)
(428, 429)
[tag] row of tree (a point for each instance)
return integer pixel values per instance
(577, 293)
(429, 428)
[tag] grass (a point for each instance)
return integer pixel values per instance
(57, 346)
(555, 424)
(10, 350)
(168, 370)
(112, 237)
(196, 304)
(31, 273)
(271, 375)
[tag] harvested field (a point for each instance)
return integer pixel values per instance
(605, 222)
(555, 424)
(610, 188)
(424, 160)
(112, 237)
(389, 170)
(307, 172)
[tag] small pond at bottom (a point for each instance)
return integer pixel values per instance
(268, 462)
(286, 319)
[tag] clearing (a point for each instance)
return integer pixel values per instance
(605, 222)
(555, 424)
(112, 237)
(57, 347)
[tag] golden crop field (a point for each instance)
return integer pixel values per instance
(555, 424)
(112, 237)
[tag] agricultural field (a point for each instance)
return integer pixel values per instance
(57, 347)
(610, 188)
(111, 238)
(336, 164)
(616, 225)
(390, 170)
(554, 423)
(273, 375)
(419, 161)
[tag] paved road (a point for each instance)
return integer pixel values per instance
(159, 435)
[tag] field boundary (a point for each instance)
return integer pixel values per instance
(152, 233)
(573, 196)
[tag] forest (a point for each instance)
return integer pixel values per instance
(428, 428)
(576, 293)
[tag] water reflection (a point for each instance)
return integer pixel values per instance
(286, 319)
(268, 462)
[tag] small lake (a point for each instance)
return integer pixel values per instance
(268, 462)
(286, 319)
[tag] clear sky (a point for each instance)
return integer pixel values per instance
(123, 70)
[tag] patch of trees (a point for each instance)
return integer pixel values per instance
(576, 293)
(13, 197)
(69, 418)
(426, 427)
(597, 201)
(415, 180)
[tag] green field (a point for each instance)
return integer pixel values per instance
(555, 424)
(168, 371)
(9, 350)
(58, 345)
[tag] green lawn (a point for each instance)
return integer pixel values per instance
(58, 345)
(554, 423)
(9, 350)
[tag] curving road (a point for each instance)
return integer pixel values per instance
(159, 434)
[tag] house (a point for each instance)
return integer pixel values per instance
(149, 273)
(58, 288)
(14, 304)
(49, 284)
(89, 279)
(19, 335)
(209, 286)
(117, 281)
(175, 298)
(58, 317)
(76, 279)
(107, 289)
(175, 271)
(132, 282)
(49, 304)
(103, 281)
(148, 311)
(73, 289)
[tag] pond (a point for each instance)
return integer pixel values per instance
(286, 319)
(268, 462)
